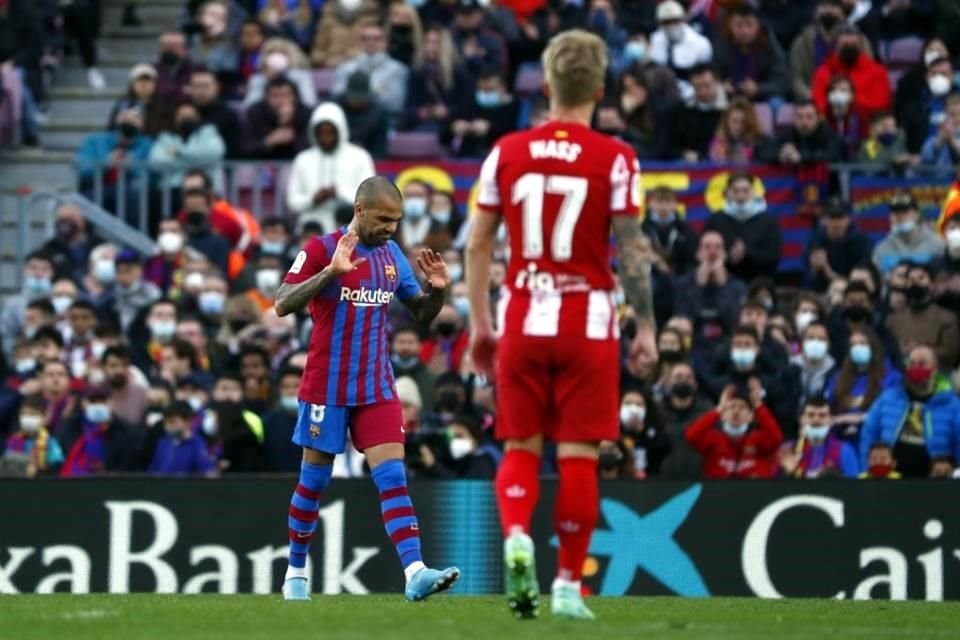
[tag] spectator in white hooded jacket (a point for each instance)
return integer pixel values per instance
(327, 174)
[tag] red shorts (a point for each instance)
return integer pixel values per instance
(566, 389)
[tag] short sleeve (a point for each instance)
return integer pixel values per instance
(313, 257)
(488, 191)
(625, 187)
(409, 287)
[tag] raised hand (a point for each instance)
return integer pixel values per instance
(342, 260)
(434, 268)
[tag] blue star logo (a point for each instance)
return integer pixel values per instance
(633, 542)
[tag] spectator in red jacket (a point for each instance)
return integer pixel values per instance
(871, 86)
(738, 439)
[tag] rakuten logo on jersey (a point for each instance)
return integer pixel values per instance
(364, 297)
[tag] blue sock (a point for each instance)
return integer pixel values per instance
(304, 510)
(396, 508)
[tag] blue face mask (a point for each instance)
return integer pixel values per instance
(816, 433)
(745, 210)
(211, 303)
(97, 413)
(887, 139)
(905, 227)
(735, 430)
(272, 248)
(743, 358)
(405, 363)
(456, 272)
(416, 4)
(487, 98)
(815, 349)
(462, 305)
(668, 219)
(861, 354)
(414, 208)
(36, 285)
(635, 51)
(289, 403)
(105, 271)
(443, 217)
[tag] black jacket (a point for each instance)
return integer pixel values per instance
(676, 241)
(693, 129)
(227, 123)
(260, 121)
(761, 236)
(823, 145)
(280, 452)
(852, 250)
(503, 119)
(121, 442)
(770, 70)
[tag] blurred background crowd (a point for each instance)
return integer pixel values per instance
(173, 361)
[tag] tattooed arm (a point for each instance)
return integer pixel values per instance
(425, 306)
(292, 298)
(634, 270)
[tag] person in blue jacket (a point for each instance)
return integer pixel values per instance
(179, 451)
(919, 420)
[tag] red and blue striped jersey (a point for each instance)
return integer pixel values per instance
(348, 362)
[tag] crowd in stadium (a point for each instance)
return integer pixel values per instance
(177, 363)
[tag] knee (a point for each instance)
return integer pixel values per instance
(532, 445)
(317, 457)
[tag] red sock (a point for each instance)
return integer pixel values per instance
(575, 514)
(518, 487)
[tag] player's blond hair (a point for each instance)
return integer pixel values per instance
(575, 65)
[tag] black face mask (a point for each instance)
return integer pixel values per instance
(169, 59)
(197, 219)
(682, 390)
(609, 460)
(448, 401)
(117, 382)
(237, 326)
(671, 355)
(66, 230)
(857, 314)
(849, 54)
(446, 329)
(829, 20)
(918, 296)
(129, 131)
(187, 127)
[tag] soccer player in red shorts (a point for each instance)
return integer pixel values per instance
(559, 188)
(348, 279)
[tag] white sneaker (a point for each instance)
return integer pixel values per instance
(95, 79)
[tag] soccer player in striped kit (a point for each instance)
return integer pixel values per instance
(347, 280)
(560, 188)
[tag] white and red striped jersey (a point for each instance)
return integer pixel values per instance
(558, 187)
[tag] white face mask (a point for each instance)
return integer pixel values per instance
(30, 424)
(97, 349)
(735, 430)
(193, 281)
(170, 242)
(814, 349)
(268, 280)
(803, 320)
(953, 238)
(630, 413)
(105, 271)
(277, 62)
(939, 84)
(209, 425)
(61, 304)
(460, 447)
(163, 329)
(840, 98)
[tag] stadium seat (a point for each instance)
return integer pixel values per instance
(905, 52)
(764, 117)
(784, 117)
(414, 144)
(10, 106)
(323, 81)
(529, 80)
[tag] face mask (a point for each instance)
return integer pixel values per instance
(30, 424)
(857, 314)
(170, 242)
(268, 280)
(196, 220)
(814, 349)
(816, 433)
(443, 217)
(36, 285)
(803, 319)
(169, 59)
(277, 62)
(635, 51)
(462, 305)
(735, 430)
(416, 4)
(414, 208)
(887, 139)
(163, 329)
(671, 355)
(211, 302)
(117, 382)
(195, 402)
(743, 358)
(939, 84)
(630, 413)
(599, 21)
(919, 375)
(209, 424)
(675, 32)
(129, 130)
(61, 304)
(745, 210)
(408, 362)
(187, 127)
(829, 20)
(609, 460)
(448, 401)
(105, 271)
(682, 390)
(272, 248)
(880, 470)
(487, 98)
(860, 354)
(289, 403)
(849, 54)
(456, 272)
(446, 329)
(840, 98)
(953, 238)
(664, 220)
(918, 295)
(25, 365)
(97, 413)
(236, 326)
(98, 349)
(460, 447)
(904, 228)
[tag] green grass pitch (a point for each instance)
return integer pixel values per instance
(239, 617)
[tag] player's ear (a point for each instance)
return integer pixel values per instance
(357, 210)
(598, 94)
(546, 94)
